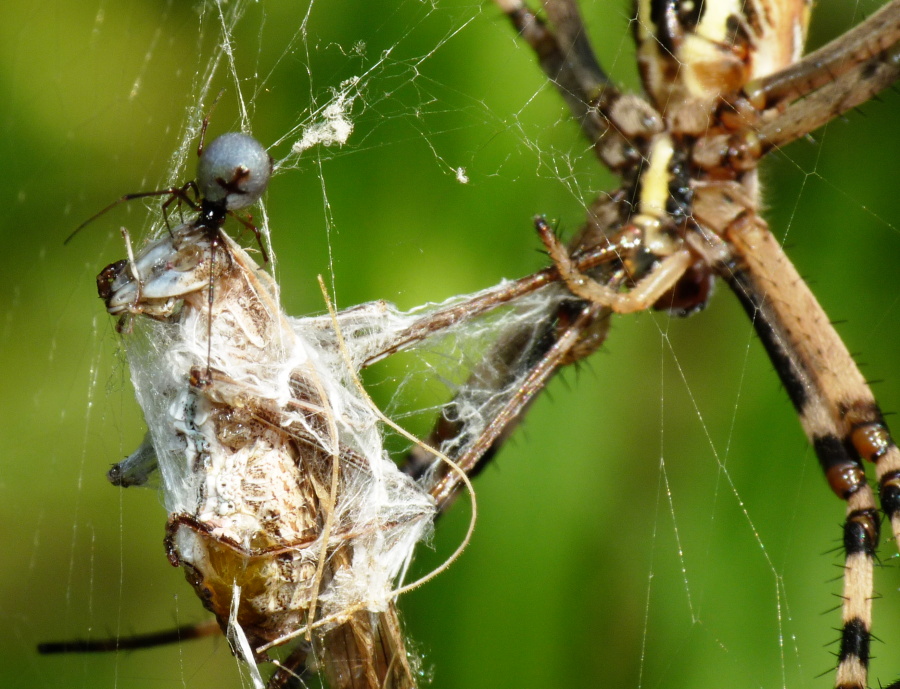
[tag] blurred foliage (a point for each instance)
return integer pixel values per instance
(659, 520)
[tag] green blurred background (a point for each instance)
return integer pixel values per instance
(612, 549)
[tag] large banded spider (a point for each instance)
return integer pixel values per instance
(689, 211)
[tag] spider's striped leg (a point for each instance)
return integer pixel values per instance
(824, 84)
(837, 410)
(566, 58)
(617, 125)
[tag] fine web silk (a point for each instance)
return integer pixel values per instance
(753, 306)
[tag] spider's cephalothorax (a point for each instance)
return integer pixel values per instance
(688, 152)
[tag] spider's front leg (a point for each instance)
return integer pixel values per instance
(827, 83)
(567, 59)
(616, 124)
(837, 410)
(559, 329)
(645, 293)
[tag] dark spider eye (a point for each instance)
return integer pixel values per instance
(234, 168)
(689, 13)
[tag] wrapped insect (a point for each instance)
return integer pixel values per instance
(284, 510)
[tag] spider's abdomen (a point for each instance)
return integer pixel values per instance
(234, 169)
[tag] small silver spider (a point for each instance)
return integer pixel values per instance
(233, 173)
